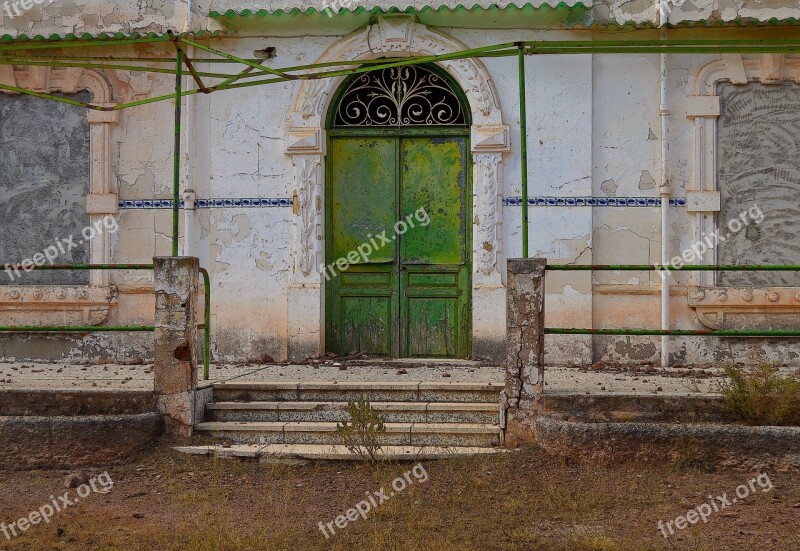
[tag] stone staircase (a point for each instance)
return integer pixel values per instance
(296, 416)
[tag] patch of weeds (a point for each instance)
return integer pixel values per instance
(361, 435)
(690, 454)
(762, 396)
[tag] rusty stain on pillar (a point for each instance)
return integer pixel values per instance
(176, 288)
(522, 396)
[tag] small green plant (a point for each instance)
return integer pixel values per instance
(762, 396)
(361, 434)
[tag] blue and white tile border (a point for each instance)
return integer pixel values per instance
(234, 202)
(593, 201)
(265, 202)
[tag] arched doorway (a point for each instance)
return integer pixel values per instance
(398, 201)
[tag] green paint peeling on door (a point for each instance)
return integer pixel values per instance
(398, 212)
(409, 296)
(433, 259)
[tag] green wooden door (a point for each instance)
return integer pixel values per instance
(398, 211)
(362, 299)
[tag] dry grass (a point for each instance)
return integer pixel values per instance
(761, 396)
(525, 500)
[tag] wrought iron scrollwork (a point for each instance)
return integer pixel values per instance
(399, 96)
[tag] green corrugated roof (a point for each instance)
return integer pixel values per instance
(82, 37)
(558, 15)
(393, 9)
(574, 16)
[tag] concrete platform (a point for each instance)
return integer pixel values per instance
(561, 380)
(278, 452)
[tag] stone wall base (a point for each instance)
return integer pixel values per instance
(703, 445)
(63, 442)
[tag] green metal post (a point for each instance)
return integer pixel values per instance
(523, 144)
(206, 323)
(783, 333)
(684, 268)
(72, 328)
(176, 169)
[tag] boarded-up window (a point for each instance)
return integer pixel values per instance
(759, 165)
(44, 180)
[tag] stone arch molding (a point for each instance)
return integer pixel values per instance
(710, 301)
(59, 304)
(398, 35)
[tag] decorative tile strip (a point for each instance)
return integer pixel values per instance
(235, 202)
(593, 201)
(264, 202)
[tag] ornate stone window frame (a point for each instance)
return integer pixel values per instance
(710, 301)
(72, 304)
(396, 35)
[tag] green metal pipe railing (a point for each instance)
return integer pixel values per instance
(95, 43)
(176, 157)
(507, 49)
(118, 328)
(674, 332)
(523, 144)
(669, 267)
(108, 66)
(206, 323)
(73, 328)
(46, 267)
(395, 62)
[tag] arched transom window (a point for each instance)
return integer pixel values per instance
(411, 95)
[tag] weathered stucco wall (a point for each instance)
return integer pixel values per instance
(594, 128)
(46, 18)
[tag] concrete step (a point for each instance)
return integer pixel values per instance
(281, 452)
(323, 432)
(327, 391)
(393, 412)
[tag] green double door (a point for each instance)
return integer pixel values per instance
(397, 221)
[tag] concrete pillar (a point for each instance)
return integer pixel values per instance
(522, 397)
(176, 288)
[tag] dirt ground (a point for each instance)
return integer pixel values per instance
(519, 500)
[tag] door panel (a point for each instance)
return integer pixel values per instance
(435, 311)
(434, 177)
(362, 301)
(363, 195)
(434, 273)
(367, 324)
